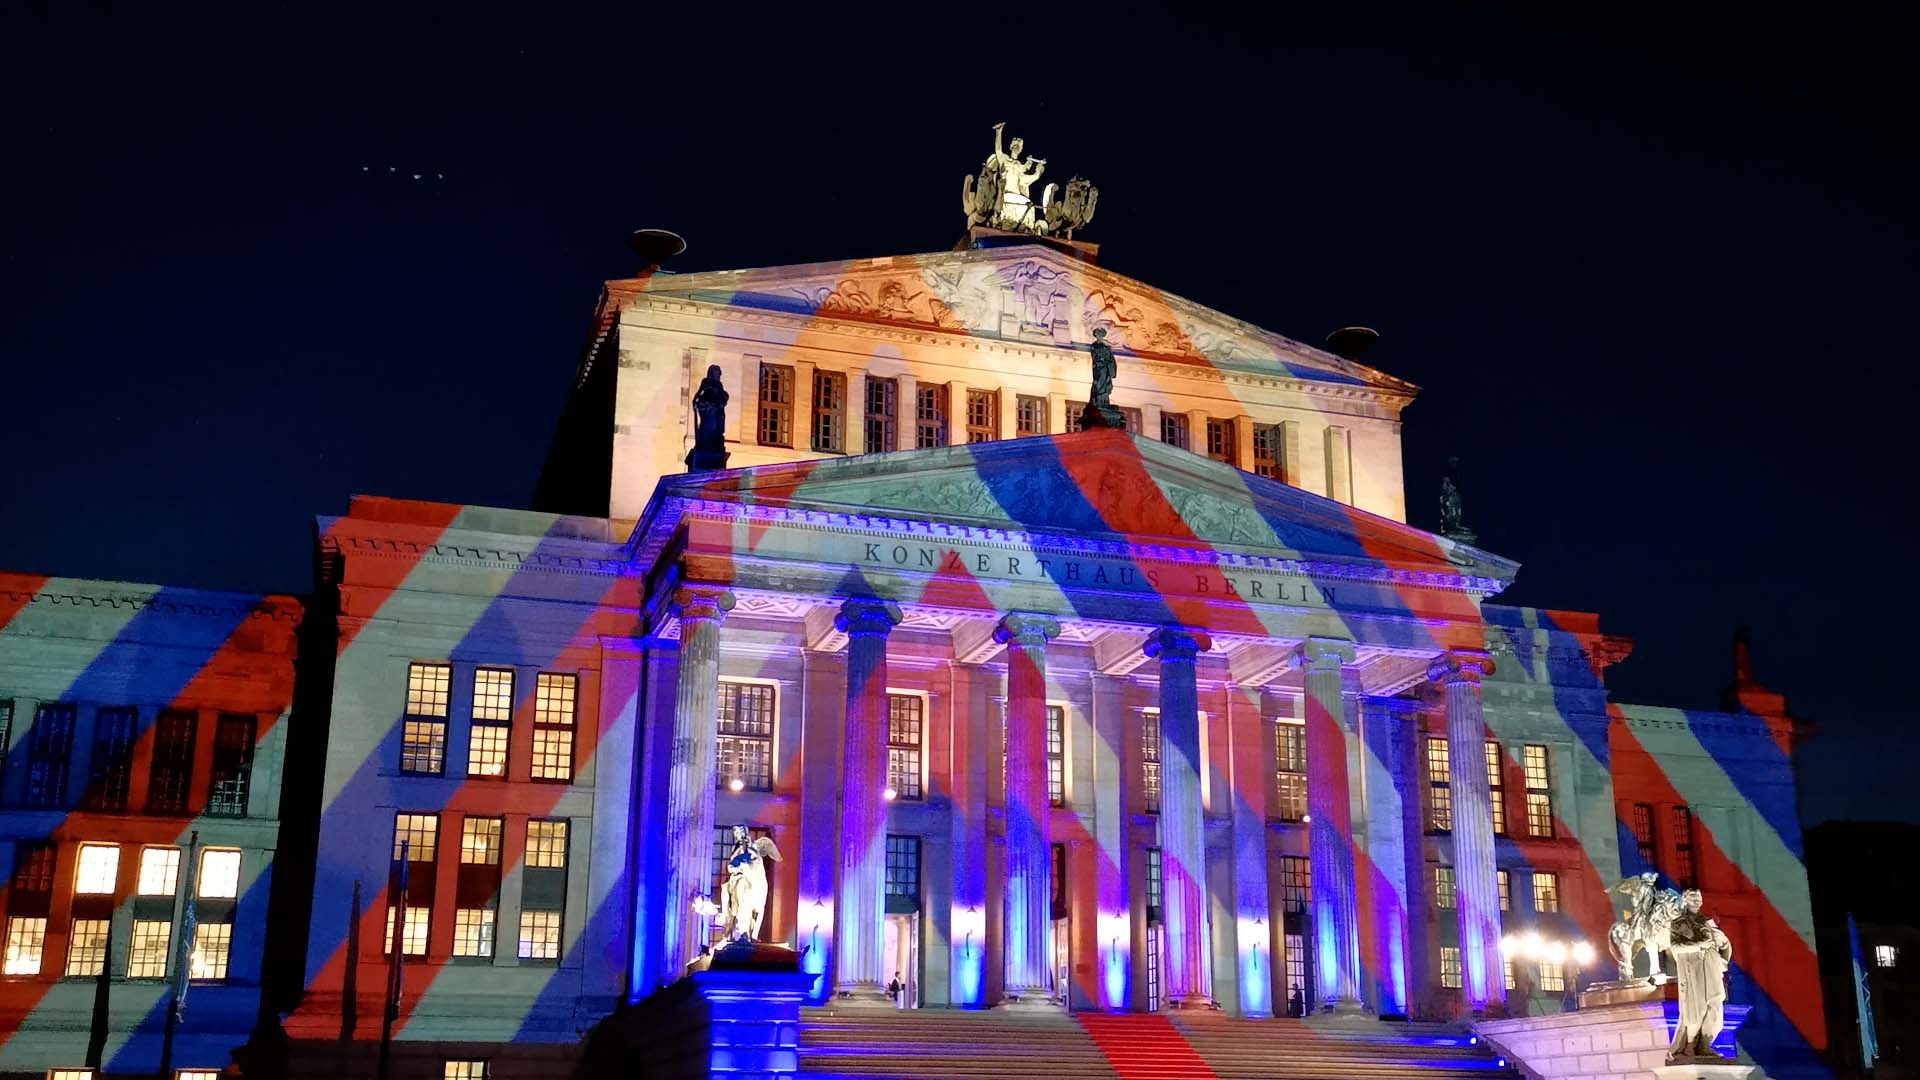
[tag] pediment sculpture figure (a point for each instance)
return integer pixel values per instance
(743, 899)
(1701, 955)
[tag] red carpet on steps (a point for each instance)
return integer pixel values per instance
(1145, 1047)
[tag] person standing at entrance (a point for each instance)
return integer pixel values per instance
(893, 989)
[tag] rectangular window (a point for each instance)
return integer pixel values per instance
(1133, 418)
(1173, 430)
(1886, 956)
(1506, 889)
(70, 1074)
(466, 1070)
(1539, 792)
(883, 415)
(776, 405)
(1512, 981)
(1439, 785)
(1290, 770)
(232, 780)
(480, 841)
(1155, 892)
(1450, 967)
(1683, 847)
(147, 955)
(159, 871)
(1443, 890)
(212, 942)
(1546, 891)
(26, 940)
(423, 738)
(1266, 450)
(415, 942)
(1222, 444)
(492, 726)
(903, 874)
(97, 869)
(553, 719)
(1643, 836)
(1496, 792)
(87, 947)
(547, 845)
(1339, 466)
(427, 689)
(419, 834)
(219, 877)
(1296, 883)
(1553, 977)
(1056, 755)
(930, 417)
(111, 770)
(1150, 760)
(539, 935)
(903, 746)
(983, 415)
(745, 750)
(1076, 414)
(32, 869)
(1296, 946)
(473, 931)
(1030, 415)
(829, 412)
(50, 754)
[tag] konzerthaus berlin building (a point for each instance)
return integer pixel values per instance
(1178, 715)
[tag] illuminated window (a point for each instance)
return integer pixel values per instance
(159, 870)
(1156, 895)
(1512, 983)
(1297, 1002)
(1553, 977)
(983, 415)
(219, 874)
(547, 844)
(197, 1074)
(1683, 846)
(1150, 760)
(70, 1074)
(930, 416)
(1506, 890)
(539, 935)
(903, 873)
(49, 755)
(1056, 755)
(553, 719)
(829, 411)
(97, 870)
(745, 745)
(1886, 956)
(147, 956)
(1450, 967)
(473, 932)
(1290, 770)
(1221, 441)
(427, 689)
(883, 415)
(776, 405)
(1539, 792)
(1339, 466)
(233, 741)
(212, 941)
(466, 1070)
(1546, 891)
(1296, 883)
(492, 725)
(1443, 889)
(111, 769)
(480, 841)
(419, 833)
(903, 745)
(423, 738)
(87, 947)
(1496, 792)
(1173, 430)
(26, 938)
(1030, 415)
(415, 944)
(423, 746)
(1439, 785)
(172, 773)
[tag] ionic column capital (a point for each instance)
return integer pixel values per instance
(1460, 666)
(695, 602)
(1026, 630)
(1323, 654)
(865, 616)
(1176, 644)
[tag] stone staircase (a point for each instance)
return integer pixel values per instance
(935, 1044)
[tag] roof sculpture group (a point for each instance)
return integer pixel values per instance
(999, 198)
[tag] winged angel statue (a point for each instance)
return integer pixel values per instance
(1000, 198)
(744, 896)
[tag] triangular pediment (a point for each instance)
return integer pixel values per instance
(1031, 293)
(1105, 485)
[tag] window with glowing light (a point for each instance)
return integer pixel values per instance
(1439, 785)
(547, 845)
(540, 935)
(97, 869)
(1150, 761)
(1443, 888)
(87, 947)
(1886, 956)
(491, 730)
(466, 1070)
(480, 840)
(1296, 883)
(1450, 967)
(415, 941)
(219, 877)
(212, 944)
(1507, 963)
(232, 772)
(1506, 889)
(1539, 792)
(423, 740)
(473, 930)
(147, 953)
(904, 723)
(26, 944)
(1496, 789)
(1553, 977)
(745, 744)
(903, 874)
(1546, 891)
(1289, 770)
(1056, 755)
(554, 700)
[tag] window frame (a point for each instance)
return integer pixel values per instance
(1031, 415)
(1289, 769)
(490, 721)
(827, 433)
(1439, 766)
(906, 750)
(881, 415)
(932, 415)
(545, 762)
(983, 415)
(773, 423)
(423, 726)
(733, 739)
(1539, 791)
(1223, 443)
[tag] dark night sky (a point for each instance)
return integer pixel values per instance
(1649, 273)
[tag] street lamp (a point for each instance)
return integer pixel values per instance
(1533, 946)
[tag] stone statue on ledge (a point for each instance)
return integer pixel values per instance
(1701, 953)
(709, 424)
(1645, 925)
(744, 896)
(1100, 412)
(1451, 509)
(999, 199)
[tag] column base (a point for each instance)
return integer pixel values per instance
(1031, 1001)
(863, 996)
(1193, 1003)
(1344, 1014)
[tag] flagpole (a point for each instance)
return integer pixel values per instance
(183, 955)
(396, 963)
(350, 990)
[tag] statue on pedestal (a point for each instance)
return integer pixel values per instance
(1701, 953)
(1645, 925)
(999, 199)
(1452, 512)
(1100, 412)
(709, 424)
(744, 896)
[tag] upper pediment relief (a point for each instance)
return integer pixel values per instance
(1027, 292)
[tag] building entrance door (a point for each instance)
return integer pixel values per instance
(1062, 963)
(901, 954)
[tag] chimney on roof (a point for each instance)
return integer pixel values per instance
(1349, 342)
(654, 246)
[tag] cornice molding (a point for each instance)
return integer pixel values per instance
(275, 606)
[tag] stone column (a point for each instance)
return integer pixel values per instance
(1476, 883)
(1029, 897)
(1183, 851)
(690, 782)
(860, 918)
(1336, 939)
